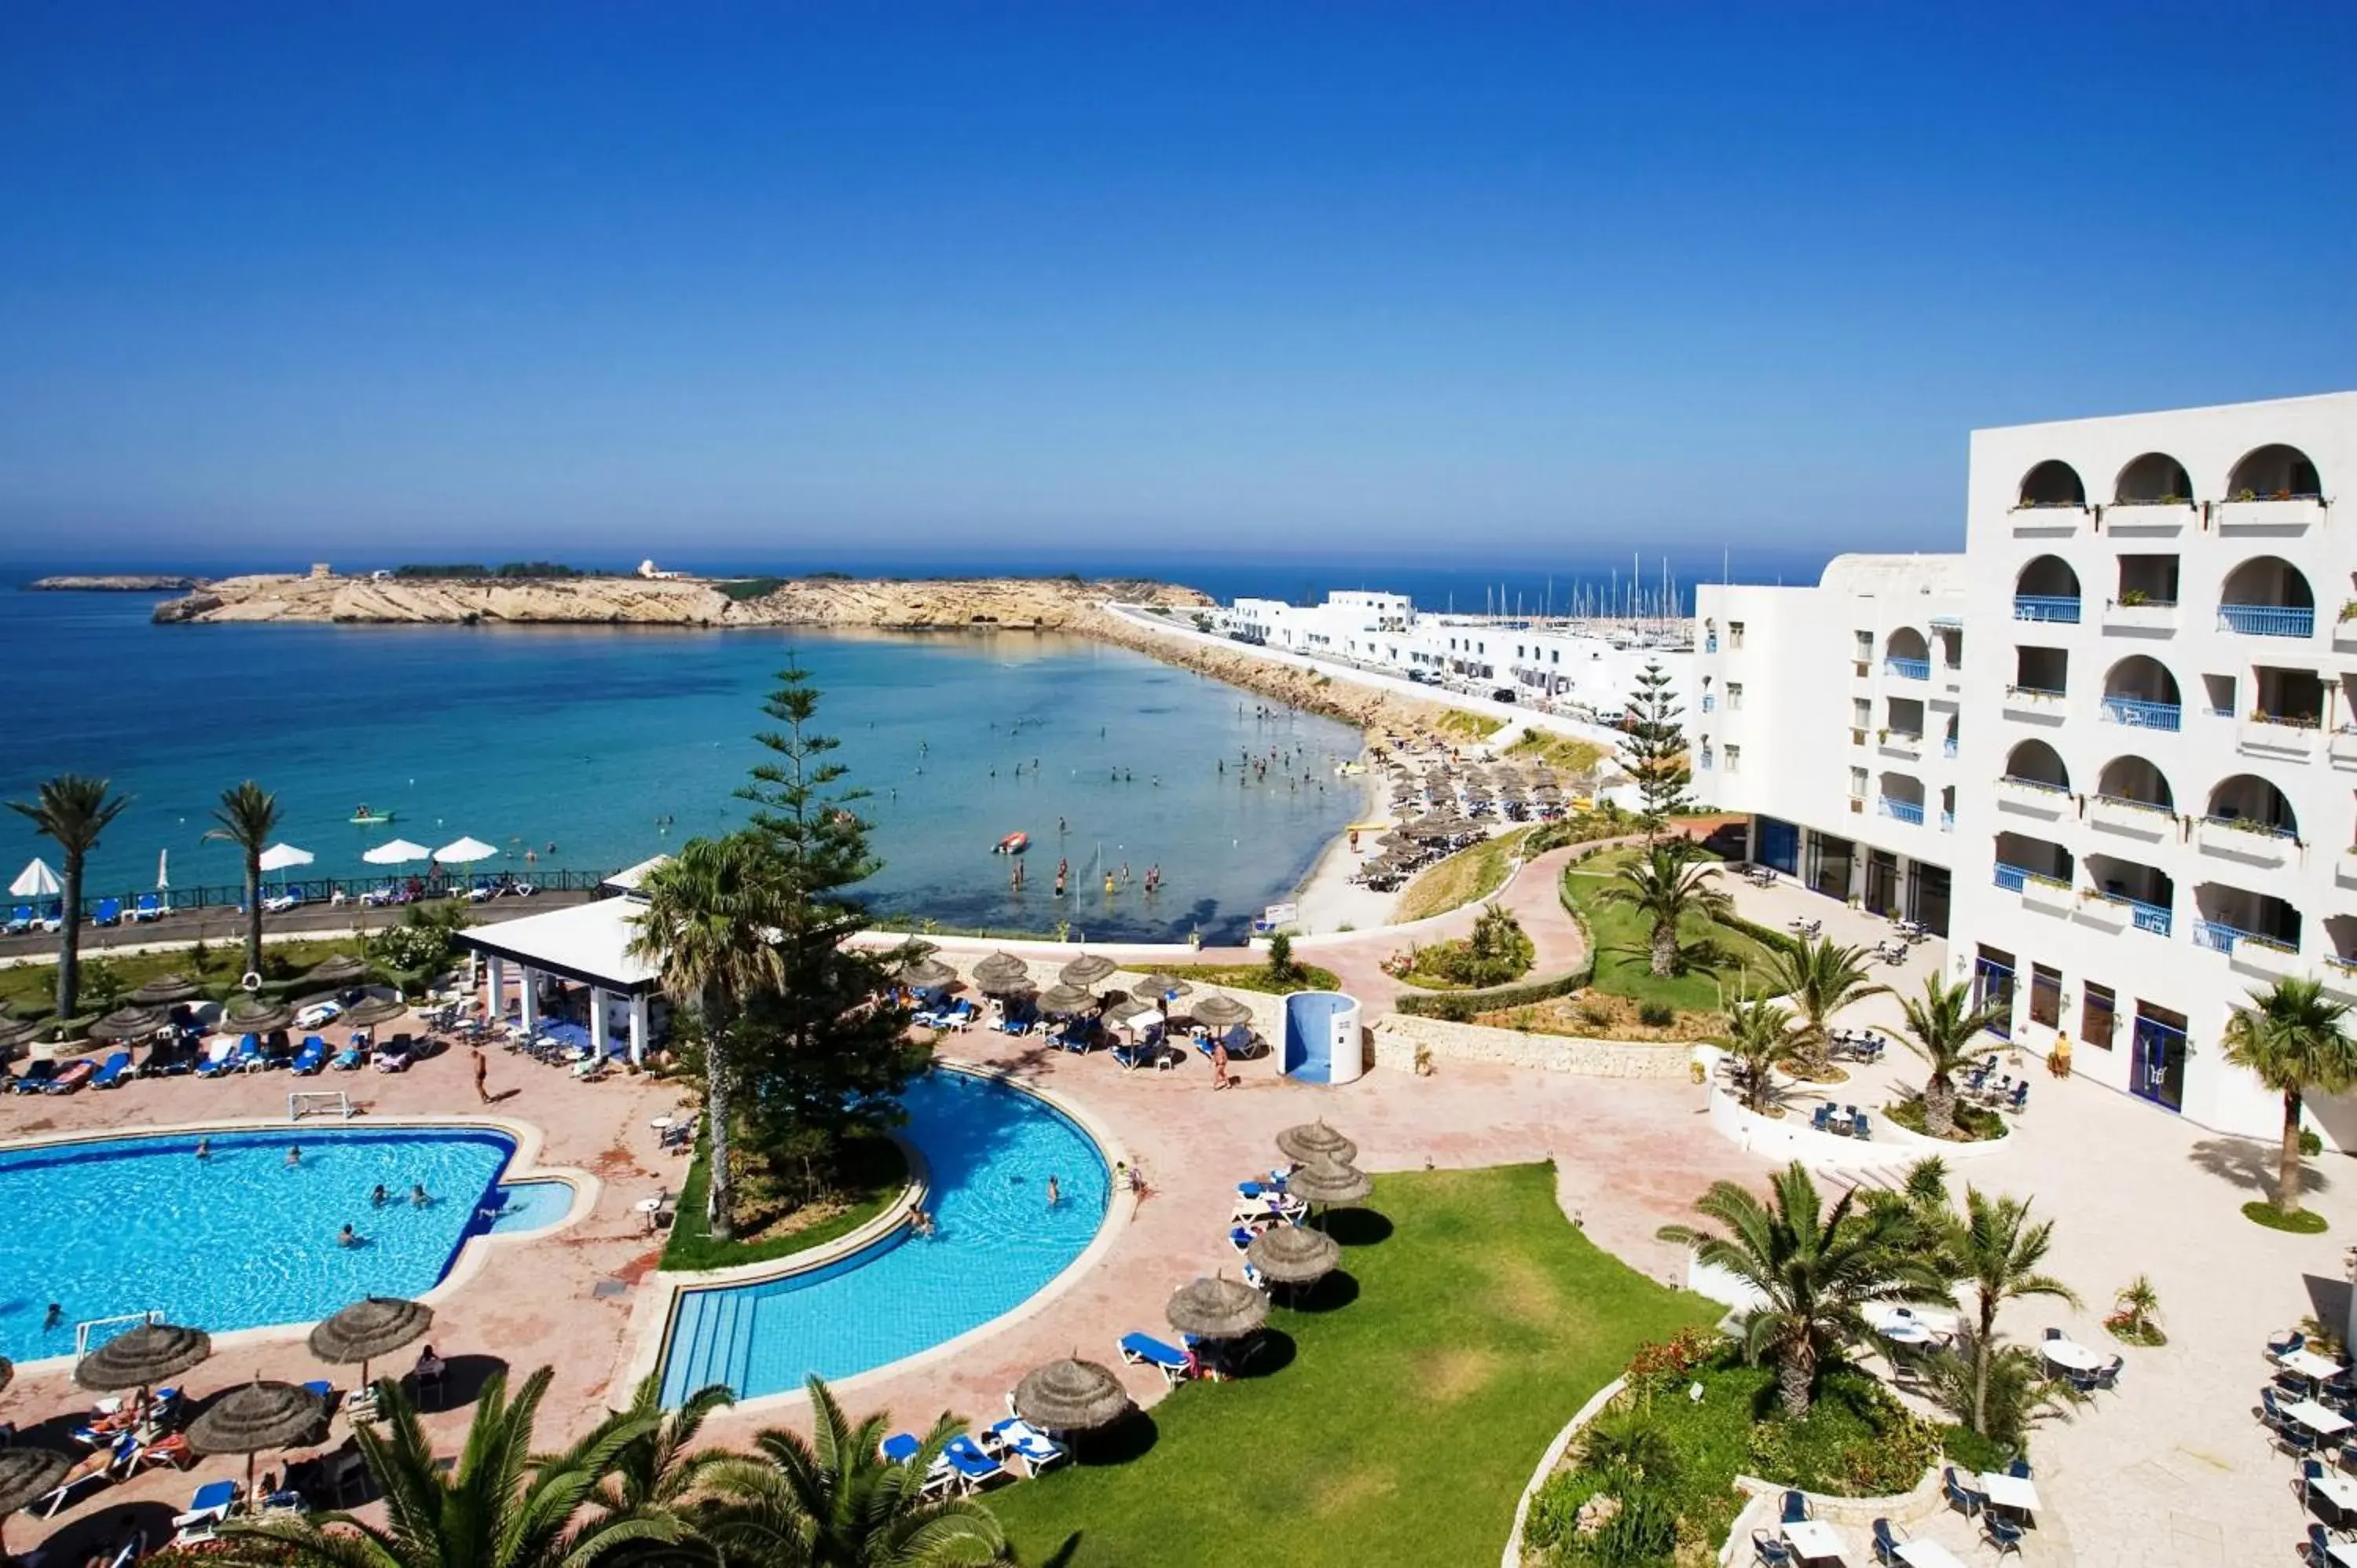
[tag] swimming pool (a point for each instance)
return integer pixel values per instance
(989, 1149)
(238, 1240)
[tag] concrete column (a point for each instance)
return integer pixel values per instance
(494, 997)
(598, 1032)
(638, 1028)
(529, 984)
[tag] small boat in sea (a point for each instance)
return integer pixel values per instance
(364, 817)
(1013, 843)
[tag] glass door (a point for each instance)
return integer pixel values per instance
(2158, 1073)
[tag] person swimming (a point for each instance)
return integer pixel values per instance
(417, 1195)
(204, 1148)
(376, 1199)
(293, 1156)
(345, 1238)
(57, 1314)
(1055, 1193)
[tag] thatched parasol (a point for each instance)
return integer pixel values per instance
(1089, 969)
(367, 1329)
(1294, 1254)
(1217, 1308)
(127, 1024)
(1315, 1141)
(1219, 1012)
(1124, 1009)
(1071, 1395)
(1001, 972)
(11, 1035)
(1066, 999)
(258, 1416)
(164, 990)
(344, 969)
(928, 974)
(142, 1357)
(1329, 1181)
(370, 1011)
(1162, 987)
(251, 1016)
(28, 1474)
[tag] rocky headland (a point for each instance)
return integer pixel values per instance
(115, 583)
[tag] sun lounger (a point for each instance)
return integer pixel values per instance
(1144, 1350)
(172, 1449)
(149, 906)
(312, 1058)
(108, 913)
(974, 1469)
(248, 1056)
(92, 1469)
(112, 1071)
(20, 920)
(34, 1078)
(901, 1449)
(395, 1055)
(209, 1506)
(222, 1059)
(1017, 1440)
(349, 1058)
(75, 1075)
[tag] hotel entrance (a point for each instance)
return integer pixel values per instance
(1881, 883)
(2158, 1071)
(1830, 860)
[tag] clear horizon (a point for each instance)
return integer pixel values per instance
(1397, 284)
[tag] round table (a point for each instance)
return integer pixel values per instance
(2071, 1355)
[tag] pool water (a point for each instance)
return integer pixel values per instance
(515, 1208)
(989, 1149)
(239, 1240)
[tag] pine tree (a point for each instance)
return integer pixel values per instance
(821, 1054)
(1655, 750)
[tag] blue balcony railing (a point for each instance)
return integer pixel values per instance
(2219, 937)
(1710, 703)
(1903, 810)
(2046, 606)
(2152, 918)
(1908, 669)
(2137, 712)
(2011, 877)
(2268, 620)
(1948, 746)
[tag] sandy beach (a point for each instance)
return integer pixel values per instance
(1327, 900)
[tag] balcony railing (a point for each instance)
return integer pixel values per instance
(2253, 826)
(2267, 620)
(1908, 669)
(1903, 810)
(2219, 937)
(1948, 746)
(2040, 785)
(2137, 713)
(2130, 803)
(2046, 606)
(2011, 877)
(1947, 822)
(2152, 918)
(1710, 643)
(1710, 703)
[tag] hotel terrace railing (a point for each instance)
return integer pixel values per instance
(2252, 825)
(1902, 811)
(2152, 918)
(2039, 784)
(2130, 803)
(2219, 937)
(2137, 712)
(2046, 606)
(1710, 643)
(1710, 703)
(1908, 669)
(2267, 620)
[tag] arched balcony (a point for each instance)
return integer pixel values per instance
(2249, 821)
(2144, 894)
(2047, 590)
(2034, 764)
(2141, 693)
(2132, 782)
(2052, 483)
(2274, 473)
(2257, 930)
(2154, 479)
(2023, 859)
(1907, 654)
(1901, 797)
(2268, 596)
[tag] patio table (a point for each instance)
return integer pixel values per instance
(2316, 1418)
(2343, 1553)
(2069, 1353)
(1927, 1554)
(2338, 1490)
(2309, 1365)
(1813, 1540)
(2009, 1492)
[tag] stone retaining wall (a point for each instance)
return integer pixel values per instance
(1398, 1035)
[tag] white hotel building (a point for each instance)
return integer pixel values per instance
(2109, 750)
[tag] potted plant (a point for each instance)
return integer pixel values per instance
(2130, 599)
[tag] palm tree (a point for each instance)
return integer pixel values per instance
(833, 1501)
(1994, 1249)
(1812, 1270)
(2293, 1039)
(248, 818)
(710, 926)
(1943, 1027)
(1819, 977)
(1666, 885)
(1759, 1038)
(73, 811)
(652, 1474)
(498, 1508)
(2010, 1384)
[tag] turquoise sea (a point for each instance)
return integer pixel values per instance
(591, 748)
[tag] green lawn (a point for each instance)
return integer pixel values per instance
(1623, 966)
(1474, 872)
(875, 1173)
(1471, 1323)
(29, 987)
(1255, 977)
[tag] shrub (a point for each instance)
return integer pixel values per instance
(421, 940)
(1281, 968)
(1464, 1006)
(1496, 951)
(1656, 1014)
(1968, 1448)
(2310, 1142)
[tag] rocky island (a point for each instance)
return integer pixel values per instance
(115, 583)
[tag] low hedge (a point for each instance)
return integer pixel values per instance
(1779, 941)
(1464, 1006)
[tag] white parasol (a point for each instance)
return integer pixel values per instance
(163, 869)
(285, 858)
(400, 852)
(36, 881)
(466, 852)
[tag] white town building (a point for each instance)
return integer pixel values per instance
(2131, 799)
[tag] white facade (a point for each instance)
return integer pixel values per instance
(1586, 673)
(2156, 722)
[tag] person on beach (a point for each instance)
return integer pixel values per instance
(482, 1072)
(1219, 1079)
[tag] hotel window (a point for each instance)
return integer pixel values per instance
(1735, 696)
(1864, 645)
(2046, 995)
(1858, 783)
(1734, 635)
(1734, 760)
(2095, 1014)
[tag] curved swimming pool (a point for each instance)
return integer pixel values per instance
(989, 1149)
(236, 1239)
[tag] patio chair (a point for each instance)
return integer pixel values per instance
(1796, 1508)
(2018, 1469)
(2056, 1334)
(2001, 1534)
(2284, 1343)
(1771, 1550)
(1961, 1498)
(2316, 1551)
(1887, 1541)
(2020, 1099)
(1823, 1121)
(1861, 1125)
(2294, 1439)
(2107, 1376)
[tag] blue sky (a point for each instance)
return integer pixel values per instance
(781, 283)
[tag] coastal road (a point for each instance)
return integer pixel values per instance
(223, 923)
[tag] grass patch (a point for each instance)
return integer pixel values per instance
(1620, 938)
(1255, 977)
(1459, 724)
(1559, 751)
(1469, 1321)
(1472, 873)
(30, 985)
(2151, 1337)
(745, 590)
(1974, 1125)
(2306, 1222)
(874, 1172)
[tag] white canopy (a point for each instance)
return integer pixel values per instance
(284, 856)
(587, 942)
(465, 852)
(400, 852)
(35, 881)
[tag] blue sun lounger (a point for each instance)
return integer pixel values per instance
(974, 1469)
(34, 1078)
(108, 913)
(312, 1058)
(902, 1448)
(221, 1063)
(148, 907)
(20, 919)
(111, 1071)
(1144, 1350)
(1017, 1439)
(351, 1057)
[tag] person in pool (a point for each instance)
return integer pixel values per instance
(418, 1197)
(204, 1148)
(293, 1156)
(346, 1238)
(376, 1199)
(1055, 1193)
